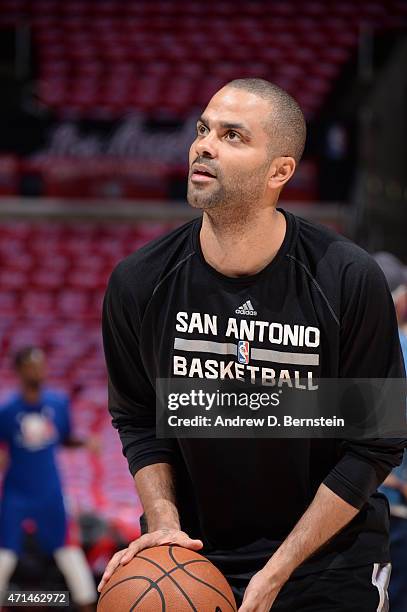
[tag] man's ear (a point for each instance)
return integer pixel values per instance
(281, 170)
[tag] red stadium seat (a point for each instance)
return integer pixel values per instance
(166, 38)
(9, 175)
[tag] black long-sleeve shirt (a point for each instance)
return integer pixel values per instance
(243, 496)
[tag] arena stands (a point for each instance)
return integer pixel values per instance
(105, 76)
(103, 59)
(52, 281)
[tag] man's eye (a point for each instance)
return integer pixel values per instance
(233, 135)
(201, 129)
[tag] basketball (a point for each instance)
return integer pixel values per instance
(167, 578)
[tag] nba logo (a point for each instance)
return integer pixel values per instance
(243, 351)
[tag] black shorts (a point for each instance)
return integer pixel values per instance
(355, 589)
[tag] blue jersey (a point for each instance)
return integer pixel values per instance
(393, 495)
(32, 432)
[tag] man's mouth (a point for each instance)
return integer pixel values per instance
(201, 174)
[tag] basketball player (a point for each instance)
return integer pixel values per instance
(395, 485)
(32, 423)
(294, 524)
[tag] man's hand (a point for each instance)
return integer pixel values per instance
(394, 482)
(94, 444)
(148, 540)
(4, 458)
(308, 535)
(260, 593)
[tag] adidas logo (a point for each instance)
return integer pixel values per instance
(246, 309)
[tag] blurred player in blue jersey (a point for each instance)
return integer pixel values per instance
(33, 422)
(395, 485)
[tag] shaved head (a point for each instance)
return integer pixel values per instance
(286, 122)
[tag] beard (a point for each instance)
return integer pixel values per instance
(207, 197)
(238, 194)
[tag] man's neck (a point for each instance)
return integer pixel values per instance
(31, 394)
(244, 247)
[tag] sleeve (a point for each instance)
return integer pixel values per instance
(131, 395)
(370, 348)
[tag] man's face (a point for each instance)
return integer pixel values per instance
(33, 371)
(234, 147)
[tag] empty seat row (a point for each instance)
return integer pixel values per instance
(87, 38)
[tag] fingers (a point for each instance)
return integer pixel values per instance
(184, 540)
(148, 540)
(180, 538)
(110, 567)
(158, 538)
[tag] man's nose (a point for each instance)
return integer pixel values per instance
(206, 147)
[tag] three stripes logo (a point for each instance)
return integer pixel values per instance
(246, 309)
